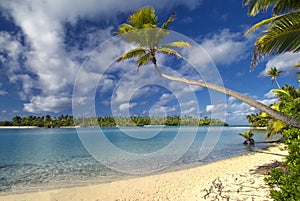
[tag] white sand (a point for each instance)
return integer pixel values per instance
(236, 175)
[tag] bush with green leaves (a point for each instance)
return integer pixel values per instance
(284, 182)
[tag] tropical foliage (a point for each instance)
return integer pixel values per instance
(43, 121)
(143, 31)
(144, 120)
(67, 120)
(274, 73)
(281, 32)
(248, 137)
(285, 183)
(258, 120)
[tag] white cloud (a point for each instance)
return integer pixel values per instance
(50, 65)
(225, 47)
(3, 92)
(215, 108)
(270, 94)
(161, 111)
(237, 110)
(283, 62)
(189, 103)
(192, 111)
(164, 99)
(126, 106)
(39, 104)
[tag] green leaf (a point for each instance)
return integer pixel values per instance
(179, 44)
(143, 18)
(171, 19)
(279, 6)
(132, 53)
(168, 51)
(255, 6)
(142, 60)
(281, 35)
(124, 28)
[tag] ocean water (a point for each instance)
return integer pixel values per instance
(38, 159)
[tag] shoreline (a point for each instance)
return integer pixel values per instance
(236, 174)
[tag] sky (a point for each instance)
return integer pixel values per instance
(60, 55)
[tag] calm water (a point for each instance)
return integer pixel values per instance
(36, 159)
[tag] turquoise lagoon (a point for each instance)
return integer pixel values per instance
(39, 159)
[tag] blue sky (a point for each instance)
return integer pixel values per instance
(43, 45)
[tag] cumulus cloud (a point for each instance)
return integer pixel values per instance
(215, 108)
(126, 106)
(237, 110)
(50, 62)
(3, 92)
(283, 62)
(39, 104)
(225, 47)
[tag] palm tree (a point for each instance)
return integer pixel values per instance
(281, 32)
(289, 102)
(248, 136)
(273, 73)
(143, 31)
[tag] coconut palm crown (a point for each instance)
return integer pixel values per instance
(281, 32)
(274, 73)
(143, 31)
(248, 137)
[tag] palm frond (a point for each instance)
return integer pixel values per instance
(279, 6)
(284, 6)
(247, 134)
(276, 127)
(256, 6)
(132, 53)
(170, 19)
(124, 28)
(273, 73)
(143, 18)
(297, 65)
(142, 60)
(283, 35)
(168, 51)
(262, 23)
(179, 44)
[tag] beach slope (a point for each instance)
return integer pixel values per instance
(231, 179)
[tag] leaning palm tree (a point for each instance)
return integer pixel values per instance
(274, 73)
(142, 30)
(281, 32)
(248, 137)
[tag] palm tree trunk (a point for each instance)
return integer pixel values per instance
(277, 83)
(264, 108)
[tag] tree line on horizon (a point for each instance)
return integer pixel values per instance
(68, 120)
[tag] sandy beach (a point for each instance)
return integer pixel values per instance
(238, 178)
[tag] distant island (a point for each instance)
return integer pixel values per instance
(68, 121)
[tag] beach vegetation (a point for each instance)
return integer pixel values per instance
(40, 121)
(274, 73)
(68, 120)
(280, 32)
(248, 135)
(258, 119)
